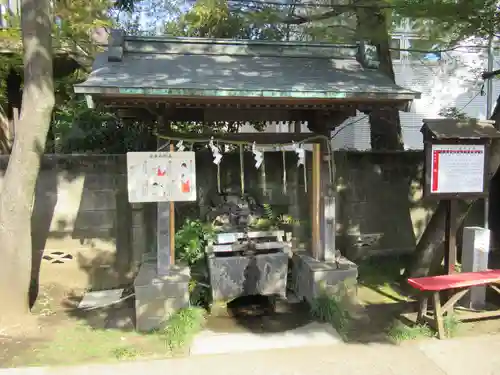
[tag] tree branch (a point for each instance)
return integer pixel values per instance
(489, 75)
(300, 20)
(350, 29)
(314, 5)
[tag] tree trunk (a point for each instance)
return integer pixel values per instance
(385, 126)
(385, 130)
(16, 197)
(429, 251)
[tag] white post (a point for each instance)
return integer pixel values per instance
(489, 111)
(163, 240)
(475, 252)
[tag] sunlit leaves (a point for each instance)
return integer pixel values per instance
(452, 21)
(217, 19)
(208, 18)
(74, 21)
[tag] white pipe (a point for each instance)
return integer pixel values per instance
(489, 111)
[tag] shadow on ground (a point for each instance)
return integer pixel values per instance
(119, 316)
(376, 322)
(261, 314)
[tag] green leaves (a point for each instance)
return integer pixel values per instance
(451, 21)
(208, 18)
(73, 26)
(454, 113)
(191, 240)
(217, 19)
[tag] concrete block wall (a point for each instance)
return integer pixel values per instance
(380, 206)
(81, 210)
(83, 228)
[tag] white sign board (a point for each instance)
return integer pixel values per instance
(161, 176)
(457, 168)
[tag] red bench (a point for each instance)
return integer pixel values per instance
(460, 284)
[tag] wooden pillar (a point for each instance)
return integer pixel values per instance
(450, 239)
(316, 211)
(172, 224)
(295, 197)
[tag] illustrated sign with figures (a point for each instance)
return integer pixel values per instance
(161, 176)
(457, 169)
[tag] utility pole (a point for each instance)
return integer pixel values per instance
(489, 82)
(489, 111)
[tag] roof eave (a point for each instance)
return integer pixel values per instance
(231, 93)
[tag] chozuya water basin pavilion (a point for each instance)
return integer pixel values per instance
(206, 80)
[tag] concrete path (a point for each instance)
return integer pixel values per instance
(313, 334)
(477, 355)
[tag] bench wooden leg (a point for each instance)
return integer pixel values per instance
(422, 308)
(438, 316)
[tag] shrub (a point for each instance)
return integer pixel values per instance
(182, 327)
(330, 309)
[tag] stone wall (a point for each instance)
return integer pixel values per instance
(82, 220)
(91, 237)
(86, 234)
(380, 208)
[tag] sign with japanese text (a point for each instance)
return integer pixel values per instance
(457, 169)
(161, 176)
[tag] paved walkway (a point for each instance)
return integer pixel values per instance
(468, 356)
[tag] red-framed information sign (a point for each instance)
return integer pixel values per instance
(457, 168)
(456, 158)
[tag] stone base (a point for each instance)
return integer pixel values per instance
(158, 297)
(236, 276)
(309, 276)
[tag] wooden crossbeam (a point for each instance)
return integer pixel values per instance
(259, 138)
(436, 321)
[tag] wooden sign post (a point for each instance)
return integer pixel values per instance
(164, 178)
(456, 160)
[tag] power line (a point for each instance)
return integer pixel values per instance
(402, 126)
(347, 125)
(471, 100)
(312, 5)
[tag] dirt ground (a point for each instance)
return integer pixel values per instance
(66, 336)
(385, 305)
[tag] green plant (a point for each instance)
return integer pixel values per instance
(399, 332)
(191, 240)
(182, 327)
(271, 220)
(454, 113)
(124, 353)
(451, 325)
(330, 309)
(190, 243)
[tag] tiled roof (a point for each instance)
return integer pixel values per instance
(159, 66)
